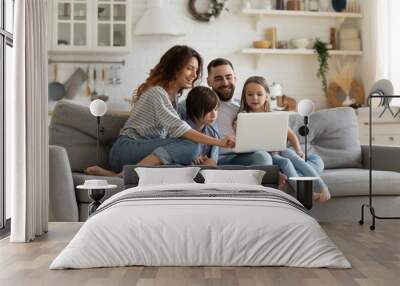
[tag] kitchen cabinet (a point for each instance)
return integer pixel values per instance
(89, 26)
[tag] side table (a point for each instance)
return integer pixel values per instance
(96, 193)
(304, 190)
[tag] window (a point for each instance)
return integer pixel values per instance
(6, 44)
(394, 44)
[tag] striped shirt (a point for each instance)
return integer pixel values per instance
(153, 116)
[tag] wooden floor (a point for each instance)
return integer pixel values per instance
(375, 257)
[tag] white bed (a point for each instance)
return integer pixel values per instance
(222, 225)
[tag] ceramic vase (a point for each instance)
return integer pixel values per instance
(339, 5)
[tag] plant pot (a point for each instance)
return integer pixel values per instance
(339, 5)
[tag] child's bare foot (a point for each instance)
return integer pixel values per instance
(282, 181)
(323, 196)
(99, 171)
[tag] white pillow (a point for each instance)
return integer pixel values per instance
(248, 177)
(166, 176)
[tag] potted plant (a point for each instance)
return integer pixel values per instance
(321, 50)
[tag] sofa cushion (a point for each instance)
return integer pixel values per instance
(82, 195)
(75, 128)
(333, 135)
(354, 182)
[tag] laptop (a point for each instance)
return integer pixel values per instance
(261, 131)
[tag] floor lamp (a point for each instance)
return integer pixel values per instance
(380, 95)
(305, 108)
(98, 108)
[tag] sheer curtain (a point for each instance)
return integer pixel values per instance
(381, 42)
(26, 117)
(394, 45)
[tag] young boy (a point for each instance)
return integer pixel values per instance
(200, 112)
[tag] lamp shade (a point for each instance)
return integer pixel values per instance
(98, 107)
(157, 21)
(305, 107)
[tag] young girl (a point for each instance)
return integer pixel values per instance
(200, 112)
(255, 99)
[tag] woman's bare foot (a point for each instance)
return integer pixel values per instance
(282, 181)
(323, 196)
(99, 171)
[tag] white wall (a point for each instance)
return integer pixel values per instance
(224, 38)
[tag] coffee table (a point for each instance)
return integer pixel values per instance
(95, 194)
(305, 190)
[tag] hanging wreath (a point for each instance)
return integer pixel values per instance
(215, 7)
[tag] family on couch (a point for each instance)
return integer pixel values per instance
(203, 131)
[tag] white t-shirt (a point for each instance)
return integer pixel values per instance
(226, 114)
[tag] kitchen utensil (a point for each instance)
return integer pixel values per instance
(88, 92)
(56, 89)
(262, 44)
(74, 82)
(94, 93)
(103, 95)
(115, 79)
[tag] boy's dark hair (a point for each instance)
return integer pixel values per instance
(200, 100)
(218, 62)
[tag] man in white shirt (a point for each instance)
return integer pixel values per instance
(222, 79)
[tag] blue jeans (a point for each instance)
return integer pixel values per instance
(246, 159)
(293, 166)
(128, 151)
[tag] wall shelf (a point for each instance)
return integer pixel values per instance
(263, 12)
(339, 16)
(297, 52)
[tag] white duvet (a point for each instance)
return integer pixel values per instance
(207, 230)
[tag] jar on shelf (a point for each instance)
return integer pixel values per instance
(293, 5)
(266, 4)
(324, 5)
(280, 5)
(313, 5)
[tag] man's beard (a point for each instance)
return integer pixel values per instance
(223, 96)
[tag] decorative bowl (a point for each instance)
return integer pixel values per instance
(262, 44)
(301, 43)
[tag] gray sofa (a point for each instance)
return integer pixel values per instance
(333, 135)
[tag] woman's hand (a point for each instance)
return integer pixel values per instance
(227, 142)
(300, 153)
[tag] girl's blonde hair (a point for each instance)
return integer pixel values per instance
(166, 71)
(244, 107)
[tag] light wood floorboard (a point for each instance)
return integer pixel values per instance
(374, 255)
